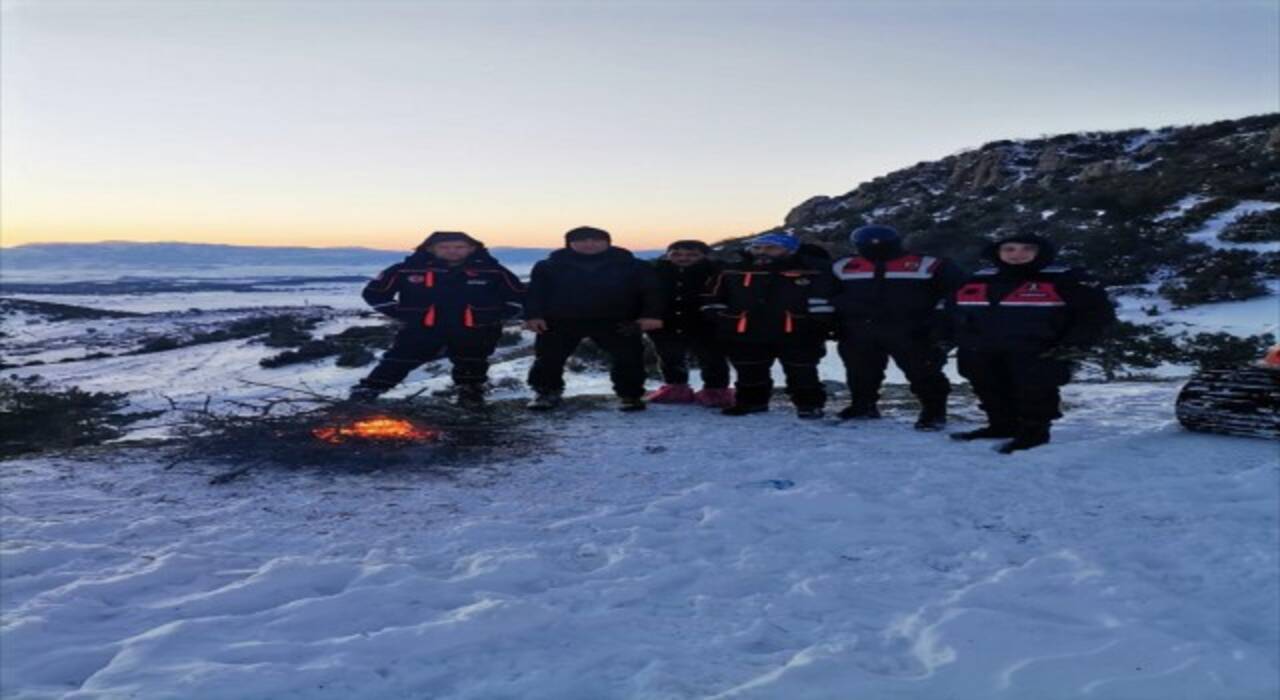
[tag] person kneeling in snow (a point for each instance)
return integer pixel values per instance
(1017, 325)
(685, 273)
(452, 296)
(774, 306)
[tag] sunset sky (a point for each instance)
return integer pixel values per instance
(369, 123)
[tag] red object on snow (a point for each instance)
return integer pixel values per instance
(672, 393)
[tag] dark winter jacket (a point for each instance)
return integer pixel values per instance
(789, 298)
(426, 292)
(906, 291)
(684, 292)
(609, 286)
(1032, 308)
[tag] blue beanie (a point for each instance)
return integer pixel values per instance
(791, 243)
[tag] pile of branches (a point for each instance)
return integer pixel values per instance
(279, 431)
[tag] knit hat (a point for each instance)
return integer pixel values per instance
(690, 244)
(449, 237)
(586, 233)
(877, 242)
(791, 243)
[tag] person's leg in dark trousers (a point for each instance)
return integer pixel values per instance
(800, 359)
(552, 349)
(922, 362)
(712, 362)
(864, 360)
(1035, 383)
(991, 377)
(412, 348)
(626, 359)
(753, 363)
(672, 354)
(469, 352)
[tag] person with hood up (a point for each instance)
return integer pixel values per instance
(1017, 324)
(591, 289)
(452, 297)
(891, 304)
(685, 273)
(774, 306)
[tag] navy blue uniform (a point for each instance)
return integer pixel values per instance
(684, 329)
(777, 310)
(453, 310)
(894, 308)
(1011, 323)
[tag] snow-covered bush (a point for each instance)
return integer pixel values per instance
(36, 416)
(1220, 275)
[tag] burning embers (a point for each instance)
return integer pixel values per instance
(376, 429)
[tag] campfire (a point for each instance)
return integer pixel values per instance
(298, 428)
(385, 429)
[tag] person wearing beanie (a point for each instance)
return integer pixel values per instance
(774, 306)
(684, 273)
(591, 289)
(1017, 323)
(888, 307)
(452, 297)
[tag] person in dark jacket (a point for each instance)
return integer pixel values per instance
(452, 297)
(891, 304)
(1017, 324)
(590, 289)
(776, 305)
(685, 272)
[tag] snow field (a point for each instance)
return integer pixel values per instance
(670, 554)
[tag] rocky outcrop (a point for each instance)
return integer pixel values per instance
(807, 210)
(978, 170)
(1105, 168)
(1050, 160)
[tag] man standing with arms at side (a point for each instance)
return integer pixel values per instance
(891, 305)
(774, 306)
(590, 289)
(685, 272)
(1018, 324)
(452, 297)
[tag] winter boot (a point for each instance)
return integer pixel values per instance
(363, 393)
(714, 398)
(933, 416)
(628, 404)
(544, 401)
(470, 396)
(808, 412)
(742, 409)
(1028, 436)
(995, 430)
(672, 393)
(859, 411)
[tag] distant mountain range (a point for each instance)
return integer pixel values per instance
(122, 254)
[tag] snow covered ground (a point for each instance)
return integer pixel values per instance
(1210, 234)
(672, 554)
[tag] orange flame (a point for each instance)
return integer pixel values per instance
(377, 428)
